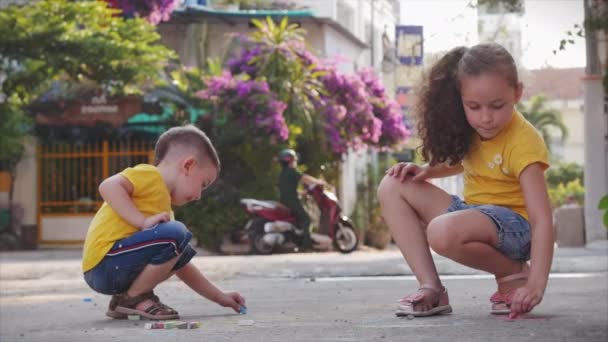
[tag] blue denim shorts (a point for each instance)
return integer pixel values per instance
(128, 257)
(513, 229)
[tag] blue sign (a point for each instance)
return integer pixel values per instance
(409, 44)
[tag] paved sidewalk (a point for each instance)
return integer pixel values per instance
(65, 264)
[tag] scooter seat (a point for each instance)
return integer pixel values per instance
(264, 204)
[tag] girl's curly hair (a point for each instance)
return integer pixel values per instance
(442, 124)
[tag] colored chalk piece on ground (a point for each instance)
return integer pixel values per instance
(87, 299)
(188, 325)
(243, 310)
(154, 325)
(194, 325)
(172, 325)
(134, 317)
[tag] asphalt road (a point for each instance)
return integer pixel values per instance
(575, 308)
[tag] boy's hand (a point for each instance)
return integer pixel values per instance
(525, 299)
(155, 219)
(233, 300)
(402, 170)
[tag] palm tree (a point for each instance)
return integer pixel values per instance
(543, 118)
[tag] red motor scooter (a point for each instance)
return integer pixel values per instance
(272, 224)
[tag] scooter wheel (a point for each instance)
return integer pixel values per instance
(345, 238)
(258, 245)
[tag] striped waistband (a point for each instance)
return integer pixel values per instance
(142, 245)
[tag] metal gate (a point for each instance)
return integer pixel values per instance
(68, 178)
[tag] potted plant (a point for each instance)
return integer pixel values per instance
(377, 234)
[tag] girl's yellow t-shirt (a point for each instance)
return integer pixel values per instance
(150, 195)
(492, 167)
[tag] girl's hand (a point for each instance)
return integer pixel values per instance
(155, 219)
(233, 300)
(402, 170)
(525, 299)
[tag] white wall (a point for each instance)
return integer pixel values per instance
(574, 145)
(571, 150)
(335, 45)
(596, 156)
(188, 39)
(26, 184)
(65, 228)
(322, 8)
(354, 169)
(453, 185)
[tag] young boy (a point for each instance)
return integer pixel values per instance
(133, 243)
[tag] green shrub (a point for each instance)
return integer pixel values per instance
(217, 213)
(563, 173)
(561, 193)
(603, 205)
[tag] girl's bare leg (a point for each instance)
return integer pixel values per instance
(406, 208)
(470, 238)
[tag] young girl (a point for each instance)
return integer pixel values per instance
(468, 124)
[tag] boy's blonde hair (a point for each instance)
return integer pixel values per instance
(186, 136)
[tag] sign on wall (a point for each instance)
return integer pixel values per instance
(409, 46)
(87, 112)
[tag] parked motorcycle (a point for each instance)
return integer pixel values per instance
(272, 224)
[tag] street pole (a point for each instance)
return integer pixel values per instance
(370, 171)
(596, 136)
(371, 44)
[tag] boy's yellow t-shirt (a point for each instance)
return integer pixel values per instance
(150, 195)
(492, 167)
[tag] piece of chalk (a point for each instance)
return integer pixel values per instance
(87, 299)
(194, 325)
(159, 325)
(246, 322)
(134, 317)
(243, 310)
(172, 325)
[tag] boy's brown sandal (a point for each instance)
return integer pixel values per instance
(112, 309)
(121, 305)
